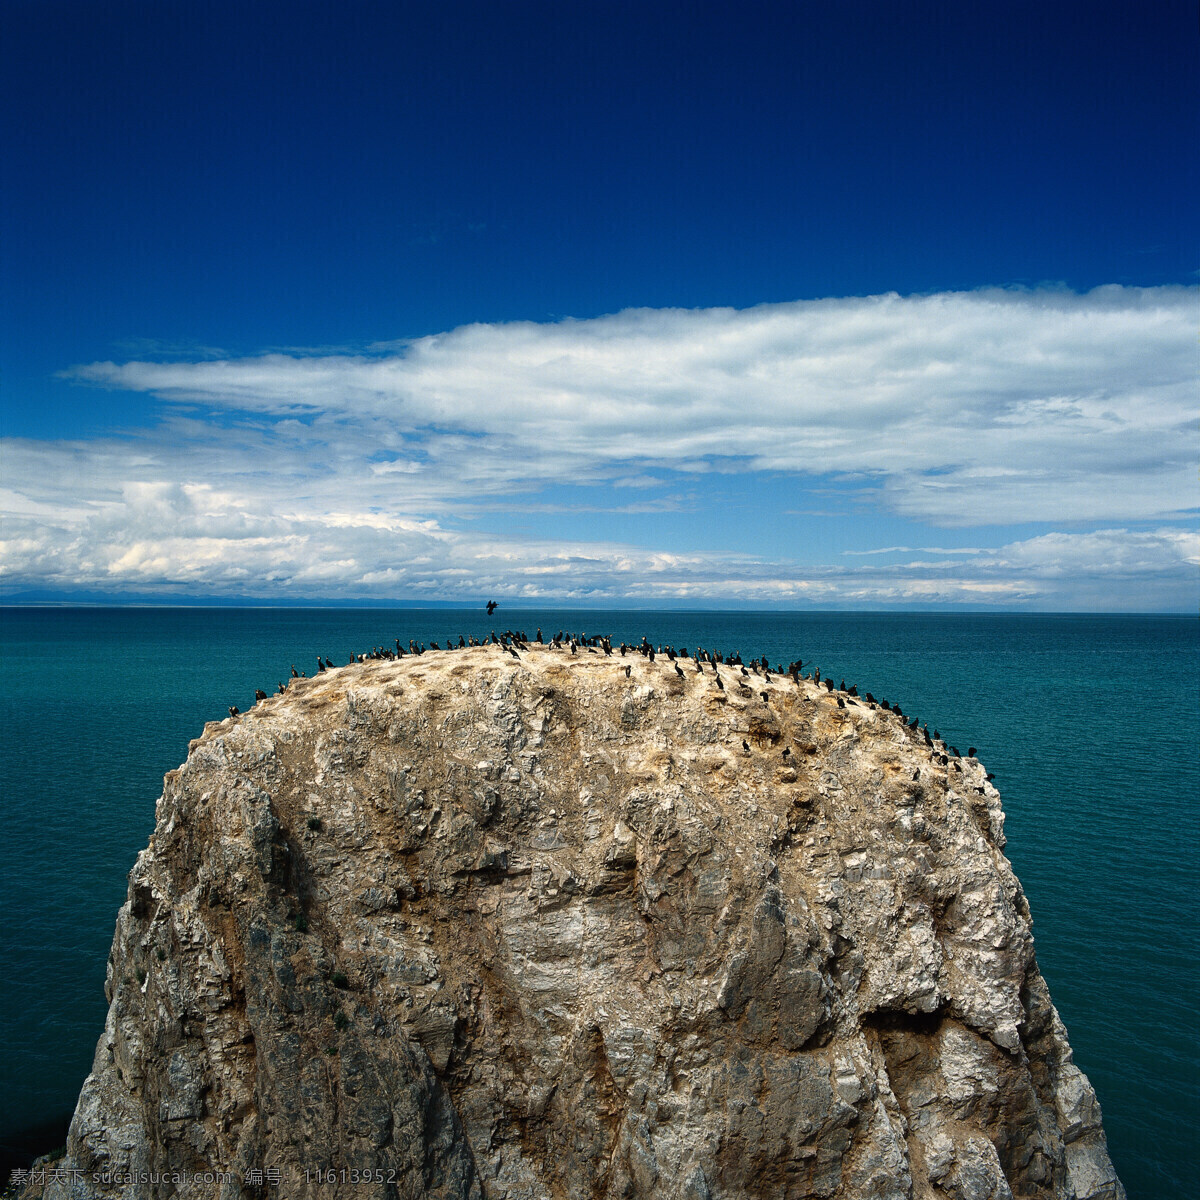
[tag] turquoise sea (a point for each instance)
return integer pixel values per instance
(1090, 724)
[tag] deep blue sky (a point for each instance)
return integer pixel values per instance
(211, 180)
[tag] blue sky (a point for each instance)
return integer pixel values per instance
(755, 304)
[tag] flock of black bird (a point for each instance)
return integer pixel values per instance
(513, 642)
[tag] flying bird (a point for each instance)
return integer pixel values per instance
(491, 607)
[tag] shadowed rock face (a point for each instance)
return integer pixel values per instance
(481, 927)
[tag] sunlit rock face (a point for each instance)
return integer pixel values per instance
(476, 925)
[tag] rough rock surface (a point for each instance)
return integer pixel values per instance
(484, 927)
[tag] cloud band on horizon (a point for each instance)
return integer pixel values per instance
(281, 474)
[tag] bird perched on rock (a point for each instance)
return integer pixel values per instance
(295, 673)
(320, 665)
(970, 751)
(233, 710)
(765, 697)
(745, 745)
(678, 671)
(259, 694)
(916, 774)
(628, 670)
(787, 752)
(719, 683)
(282, 689)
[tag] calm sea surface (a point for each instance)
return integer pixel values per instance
(1090, 724)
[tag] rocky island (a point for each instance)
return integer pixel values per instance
(544, 922)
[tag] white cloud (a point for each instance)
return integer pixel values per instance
(967, 408)
(334, 474)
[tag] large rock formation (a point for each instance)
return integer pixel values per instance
(475, 926)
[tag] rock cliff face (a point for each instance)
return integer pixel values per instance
(473, 926)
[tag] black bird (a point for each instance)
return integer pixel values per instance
(787, 752)
(491, 607)
(765, 697)
(937, 737)
(829, 685)
(841, 702)
(259, 694)
(320, 665)
(745, 672)
(954, 751)
(650, 652)
(678, 671)
(295, 673)
(916, 774)
(989, 778)
(719, 683)
(282, 689)
(328, 664)
(745, 745)
(539, 635)
(628, 670)
(233, 710)
(513, 652)
(970, 751)
(842, 686)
